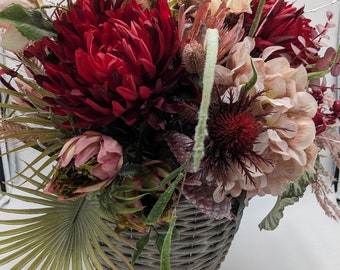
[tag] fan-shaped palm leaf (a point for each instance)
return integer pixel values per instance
(59, 235)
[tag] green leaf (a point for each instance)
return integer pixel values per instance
(293, 193)
(162, 202)
(128, 200)
(318, 74)
(29, 22)
(166, 248)
(41, 91)
(249, 85)
(22, 108)
(140, 246)
(159, 241)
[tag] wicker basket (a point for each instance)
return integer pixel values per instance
(202, 244)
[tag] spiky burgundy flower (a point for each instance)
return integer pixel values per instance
(111, 62)
(241, 133)
(233, 130)
(282, 24)
(232, 133)
(258, 139)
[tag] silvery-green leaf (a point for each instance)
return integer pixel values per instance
(293, 193)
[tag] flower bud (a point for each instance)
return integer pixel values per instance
(193, 57)
(87, 163)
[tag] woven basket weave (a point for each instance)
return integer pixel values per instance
(202, 244)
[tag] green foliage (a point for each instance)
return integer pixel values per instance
(159, 207)
(292, 194)
(166, 248)
(249, 85)
(29, 22)
(140, 246)
(257, 19)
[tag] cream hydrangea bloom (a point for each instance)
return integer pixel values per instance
(290, 134)
(239, 6)
(259, 139)
(288, 137)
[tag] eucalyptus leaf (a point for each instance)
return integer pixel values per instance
(29, 22)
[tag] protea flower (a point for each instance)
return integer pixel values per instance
(111, 62)
(87, 163)
(284, 25)
(259, 139)
(192, 30)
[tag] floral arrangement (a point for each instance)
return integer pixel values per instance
(136, 105)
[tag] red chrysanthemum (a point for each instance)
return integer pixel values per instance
(284, 25)
(111, 62)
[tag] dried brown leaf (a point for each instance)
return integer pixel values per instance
(330, 141)
(324, 194)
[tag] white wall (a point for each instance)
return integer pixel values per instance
(9, 161)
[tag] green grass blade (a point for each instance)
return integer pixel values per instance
(166, 248)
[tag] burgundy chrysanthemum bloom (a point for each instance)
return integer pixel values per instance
(111, 62)
(284, 25)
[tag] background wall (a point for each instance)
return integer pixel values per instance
(8, 163)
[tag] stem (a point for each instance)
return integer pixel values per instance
(320, 7)
(211, 46)
(79, 208)
(257, 18)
